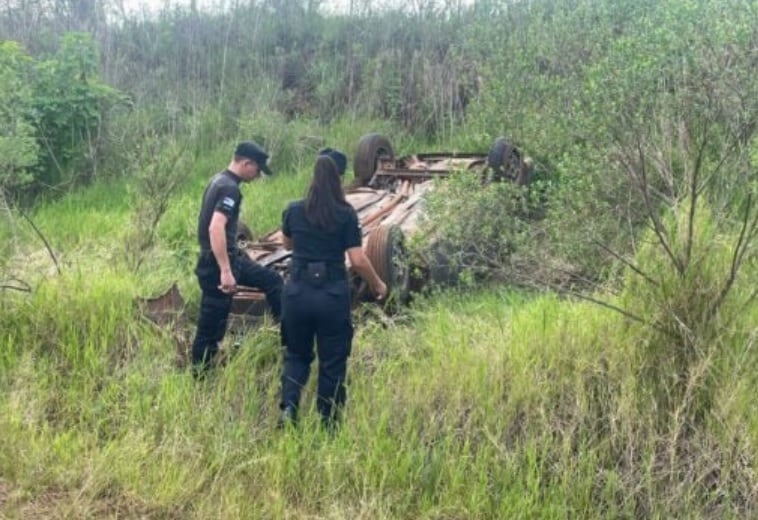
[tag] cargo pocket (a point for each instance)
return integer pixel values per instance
(339, 294)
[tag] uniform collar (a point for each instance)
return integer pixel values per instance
(236, 178)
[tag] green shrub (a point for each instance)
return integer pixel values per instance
(68, 108)
(687, 308)
(477, 231)
(19, 150)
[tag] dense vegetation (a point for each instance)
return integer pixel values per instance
(607, 371)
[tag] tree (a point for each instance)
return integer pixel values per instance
(69, 104)
(18, 146)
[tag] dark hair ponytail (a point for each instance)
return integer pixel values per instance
(325, 194)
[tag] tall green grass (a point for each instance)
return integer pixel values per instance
(488, 404)
(491, 405)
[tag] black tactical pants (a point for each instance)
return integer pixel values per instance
(215, 305)
(320, 314)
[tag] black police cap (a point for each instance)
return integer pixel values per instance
(253, 150)
(338, 157)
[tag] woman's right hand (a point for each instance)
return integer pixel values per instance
(361, 264)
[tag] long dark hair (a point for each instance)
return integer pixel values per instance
(325, 194)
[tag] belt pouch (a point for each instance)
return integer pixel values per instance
(316, 273)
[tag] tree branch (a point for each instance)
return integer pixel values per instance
(25, 287)
(44, 240)
(658, 228)
(747, 234)
(621, 311)
(694, 193)
(626, 262)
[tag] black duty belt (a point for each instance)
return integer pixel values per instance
(317, 273)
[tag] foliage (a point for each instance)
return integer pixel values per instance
(488, 234)
(18, 144)
(684, 285)
(52, 116)
(67, 111)
(156, 177)
(554, 76)
(539, 418)
(641, 119)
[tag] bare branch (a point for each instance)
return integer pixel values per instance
(21, 287)
(44, 240)
(621, 311)
(748, 232)
(658, 228)
(626, 262)
(694, 194)
(14, 288)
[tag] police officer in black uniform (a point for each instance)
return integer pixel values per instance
(221, 265)
(316, 301)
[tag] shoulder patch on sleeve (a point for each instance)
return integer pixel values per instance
(228, 203)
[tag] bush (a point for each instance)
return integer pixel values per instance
(19, 150)
(482, 232)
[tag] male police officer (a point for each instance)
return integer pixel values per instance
(221, 265)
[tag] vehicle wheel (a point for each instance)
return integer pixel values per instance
(370, 148)
(504, 161)
(243, 233)
(385, 249)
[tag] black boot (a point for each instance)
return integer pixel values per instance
(287, 417)
(331, 423)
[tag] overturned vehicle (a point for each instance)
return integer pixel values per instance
(388, 195)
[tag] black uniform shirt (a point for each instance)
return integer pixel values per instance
(312, 244)
(222, 194)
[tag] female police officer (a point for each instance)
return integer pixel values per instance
(316, 300)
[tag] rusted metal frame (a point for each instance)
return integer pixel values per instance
(414, 174)
(380, 196)
(400, 196)
(268, 245)
(398, 217)
(275, 256)
(281, 254)
(443, 156)
(248, 293)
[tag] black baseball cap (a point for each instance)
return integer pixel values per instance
(338, 157)
(254, 151)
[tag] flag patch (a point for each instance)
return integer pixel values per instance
(228, 202)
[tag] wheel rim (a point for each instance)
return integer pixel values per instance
(386, 251)
(370, 148)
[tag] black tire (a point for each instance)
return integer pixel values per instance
(385, 249)
(370, 148)
(504, 161)
(244, 234)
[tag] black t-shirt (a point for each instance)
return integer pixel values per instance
(222, 194)
(313, 244)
